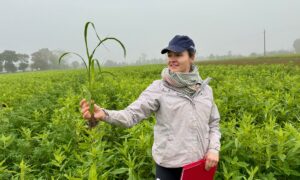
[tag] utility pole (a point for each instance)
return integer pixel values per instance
(264, 42)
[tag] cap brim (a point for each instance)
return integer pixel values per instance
(172, 48)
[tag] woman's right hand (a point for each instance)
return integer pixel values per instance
(98, 112)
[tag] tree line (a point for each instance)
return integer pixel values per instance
(43, 59)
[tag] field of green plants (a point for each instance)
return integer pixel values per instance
(43, 135)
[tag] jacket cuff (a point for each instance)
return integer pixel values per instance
(213, 151)
(107, 117)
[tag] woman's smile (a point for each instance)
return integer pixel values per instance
(173, 65)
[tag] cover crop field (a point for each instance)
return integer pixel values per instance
(43, 135)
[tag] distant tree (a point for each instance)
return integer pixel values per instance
(211, 56)
(297, 45)
(45, 59)
(280, 52)
(142, 59)
(54, 60)
(8, 57)
(110, 63)
(10, 66)
(75, 64)
(253, 54)
(82, 64)
(40, 59)
(24, 61)
(1, 65)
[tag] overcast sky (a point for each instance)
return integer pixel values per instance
(146, 26)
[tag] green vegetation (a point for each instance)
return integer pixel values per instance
(90, 68)
(43, 135)
(275, 59)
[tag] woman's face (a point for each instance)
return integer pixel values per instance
(179, 61)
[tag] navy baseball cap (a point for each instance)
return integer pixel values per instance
(180, 43)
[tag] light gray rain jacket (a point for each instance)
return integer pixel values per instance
(186, 128)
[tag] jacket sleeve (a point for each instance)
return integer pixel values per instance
(214, 130)
(142, 108)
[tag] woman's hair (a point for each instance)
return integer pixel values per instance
(191, 55)
(191, 52)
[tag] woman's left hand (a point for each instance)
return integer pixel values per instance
(212, 159)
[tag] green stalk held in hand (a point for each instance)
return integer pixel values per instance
(90, 67)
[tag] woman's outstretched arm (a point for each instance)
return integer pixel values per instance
(138, 110)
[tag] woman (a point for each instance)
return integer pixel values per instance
(187, 118)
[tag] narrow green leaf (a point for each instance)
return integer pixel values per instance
(93, 172)
(106, 39)
(64, 54)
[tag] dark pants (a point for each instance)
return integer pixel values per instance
(163, 173)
